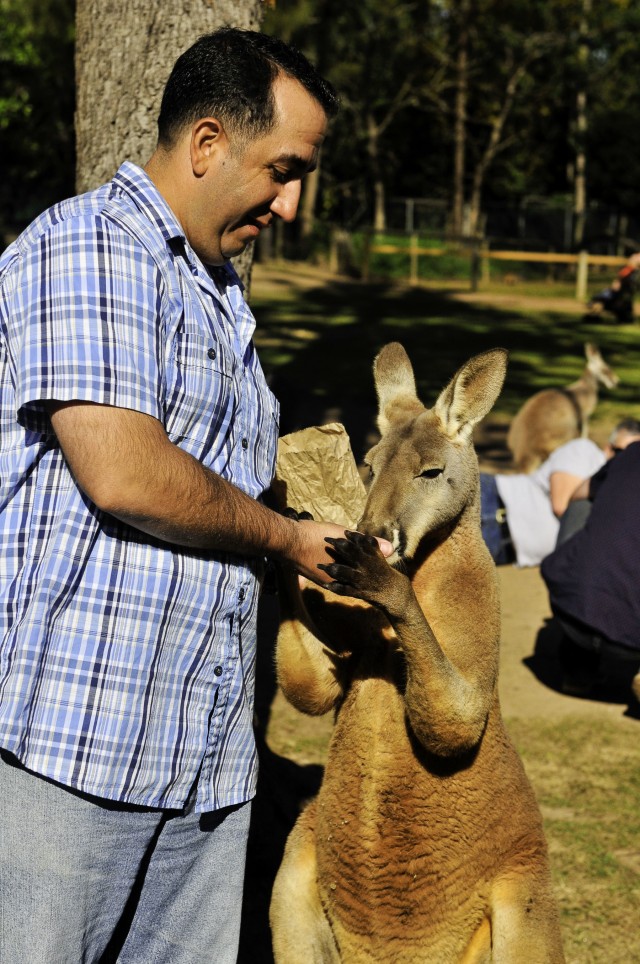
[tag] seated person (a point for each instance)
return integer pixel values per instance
(577, 512)
(617, 299)
(592, 578)
(520, 512)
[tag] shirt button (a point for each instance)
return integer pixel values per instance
(218, 671)
(211, 353)
(245, 443)
(241, 595)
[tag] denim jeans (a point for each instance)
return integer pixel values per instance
(493, 531)
(86, 880)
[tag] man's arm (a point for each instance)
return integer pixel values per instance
(126, 464)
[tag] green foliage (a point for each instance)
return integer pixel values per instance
(372, 48)
(36, 107)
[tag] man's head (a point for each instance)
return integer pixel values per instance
(625, 432)
(230, 75)
(242, 121)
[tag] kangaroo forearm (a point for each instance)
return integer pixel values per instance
(307, 672)
(447, 711)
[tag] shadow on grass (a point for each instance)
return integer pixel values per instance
(317, 347)
(615, 673)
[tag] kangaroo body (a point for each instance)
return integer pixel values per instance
(555, 415)
(425, 842)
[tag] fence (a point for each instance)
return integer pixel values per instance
(480, 257)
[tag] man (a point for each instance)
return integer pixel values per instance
(521, 512)
(137, 437)
(592, 577)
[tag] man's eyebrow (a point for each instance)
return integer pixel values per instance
(295, 162)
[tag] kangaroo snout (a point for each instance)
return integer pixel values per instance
(387, 530)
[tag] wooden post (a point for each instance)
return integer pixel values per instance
(475, 268)
(485, 272)
(366, 255)
(582, 276)
(413, 256)
(334, 263)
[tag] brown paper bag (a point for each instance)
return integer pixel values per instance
(316, 472)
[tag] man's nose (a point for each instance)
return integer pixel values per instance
(286, 203)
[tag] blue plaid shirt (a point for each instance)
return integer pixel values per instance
(126, 663)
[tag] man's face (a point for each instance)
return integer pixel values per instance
(246, 186)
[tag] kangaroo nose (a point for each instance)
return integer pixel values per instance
(384, 531)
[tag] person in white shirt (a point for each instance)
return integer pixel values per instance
(521, 513)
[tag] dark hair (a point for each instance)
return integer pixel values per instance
(629, 425)
(230, 74)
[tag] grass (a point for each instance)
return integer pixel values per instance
(588, 782)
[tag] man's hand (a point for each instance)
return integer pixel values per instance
(316, 553)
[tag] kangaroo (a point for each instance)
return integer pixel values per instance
(555, 415)
(425, 841)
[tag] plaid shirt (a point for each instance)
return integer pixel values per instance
(126, 663)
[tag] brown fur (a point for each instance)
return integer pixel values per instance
(425, 842)
(555, 415)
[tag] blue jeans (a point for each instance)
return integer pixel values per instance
(85, 880)
(493, 521)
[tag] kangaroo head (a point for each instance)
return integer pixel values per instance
(424, 469)
(599, 368)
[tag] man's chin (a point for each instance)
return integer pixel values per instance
(235, 247)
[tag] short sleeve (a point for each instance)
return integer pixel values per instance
(580, 457)
(86, 321)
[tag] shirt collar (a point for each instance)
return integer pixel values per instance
(140, 188)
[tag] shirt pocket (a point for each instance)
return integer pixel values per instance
(200, 393)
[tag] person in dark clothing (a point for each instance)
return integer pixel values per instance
(617, 299)
(577, 512)
(592, 578)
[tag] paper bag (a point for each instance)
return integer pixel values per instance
(316, 472)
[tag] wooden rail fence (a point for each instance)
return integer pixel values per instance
(481, 256)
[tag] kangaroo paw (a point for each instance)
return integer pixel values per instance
(361, 570)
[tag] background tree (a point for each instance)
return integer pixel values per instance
(379, 55)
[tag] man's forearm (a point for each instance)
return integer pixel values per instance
(128, 467)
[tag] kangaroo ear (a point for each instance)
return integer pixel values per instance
(471, 393)
(591, 351)
(395, 386)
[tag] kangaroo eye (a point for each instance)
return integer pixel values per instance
(431, 473)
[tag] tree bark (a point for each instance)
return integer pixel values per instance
(460, 118)
(124, 54)
(580, 185)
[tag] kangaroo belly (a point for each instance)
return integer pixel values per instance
(408, 846)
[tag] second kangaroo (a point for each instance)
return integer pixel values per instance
(555, 415)
(425, 842)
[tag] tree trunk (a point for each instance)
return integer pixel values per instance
(373, 152)
(308, 203)
(460, 118)
(580, 185)
(492, 148)
(124, 54)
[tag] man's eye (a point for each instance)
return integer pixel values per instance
(431, 473)
(280, 177)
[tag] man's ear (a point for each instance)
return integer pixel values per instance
(208, 136)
